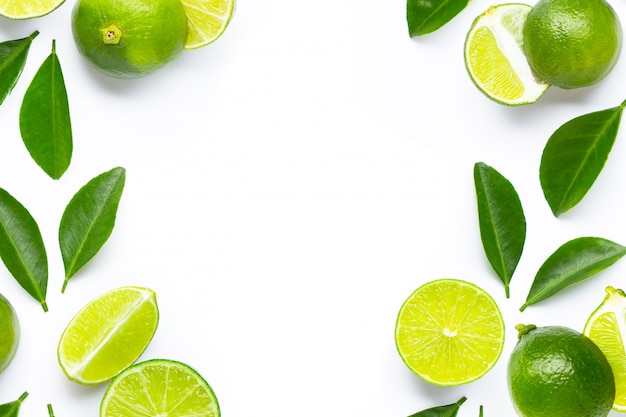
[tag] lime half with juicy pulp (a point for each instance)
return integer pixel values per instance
(159, 387)
(449, 332)
(207, 20)
(108, 334)
(28, 9)
(495, 59)
(606, 327)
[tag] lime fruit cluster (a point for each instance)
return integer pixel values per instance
(556, 371)
(134, 38)
(514, 52)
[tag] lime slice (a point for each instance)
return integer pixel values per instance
(207, 20)
(449, 332)
(159, 387)
(27, 9)
(604, 326)
(495, 59)
(108, 335)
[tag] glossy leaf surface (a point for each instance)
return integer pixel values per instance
(22, 249)
(45, 123)
(573, 262)
(12, 409)
(449, 410)
(88, 220)
(13, 56)
(501, 220)
(426, 16)
(575, 155)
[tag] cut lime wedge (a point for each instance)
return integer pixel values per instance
(449, 332)
(605, 326)
(108, 335)
(207, 20)
(494, 57)
(159, 387)
(27, 9)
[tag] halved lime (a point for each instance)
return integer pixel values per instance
(449, 332)
(495, 59)
(605, 326)
(108, 334)
(27, 9)
(159, 387)
(207, 20)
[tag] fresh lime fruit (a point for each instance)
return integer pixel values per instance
(558, 372)
(604, 327)
(572, 43)
(108, 334)
(9, 333)
(207, 20)
(159, 387)
(27, 9)
(495, 59)
(131, 38)
(449, 332)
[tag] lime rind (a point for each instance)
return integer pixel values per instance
(494, 56)
(449, 332)
(155, 387)
(207, 20)
(28, 9)
(606, 327)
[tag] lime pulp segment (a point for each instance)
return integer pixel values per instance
(207, 20)
(27, 9)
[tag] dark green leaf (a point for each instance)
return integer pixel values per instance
(12, 409)
(501, 220)
(449, 410)
(574, 156)
(22, 249)
(573, 262)
(45, 118)
(12, 60)
(88, 220)
(426, 16)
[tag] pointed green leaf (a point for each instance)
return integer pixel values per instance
(88, 220)
(501, 220)
(575, 155)
(426, 16)
(12, 409)
(45, 118)
(13, 55)
(22, 249)
(449, 410)
(573, 262)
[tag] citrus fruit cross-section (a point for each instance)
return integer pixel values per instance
(449, 332)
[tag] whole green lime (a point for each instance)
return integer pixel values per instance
(9, 333)
(572, 43)
(558, 372)
(129, 38)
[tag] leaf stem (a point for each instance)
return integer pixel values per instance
(22, 397)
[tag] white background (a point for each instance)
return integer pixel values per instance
(287, 188)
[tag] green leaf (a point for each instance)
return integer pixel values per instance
(426, 16)
(573, 262)
(12, 409)
(575, 155)
(22, 249)
(88, 220)
(13, 56)
(45, 118)
(449, 410)
(501, 220)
